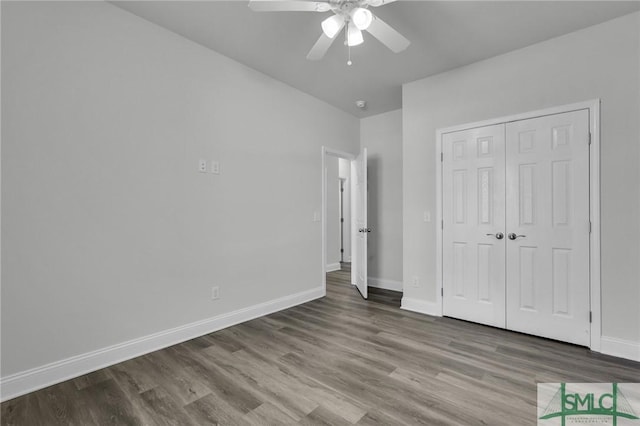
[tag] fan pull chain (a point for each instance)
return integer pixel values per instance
(346, 43)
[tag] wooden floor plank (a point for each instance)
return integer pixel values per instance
(176, 379)
(337, 360)
(213, 410)
(165, 410)
(108, 404)
(268, 414)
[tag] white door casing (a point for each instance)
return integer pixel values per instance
(547, 169)
(359, 214)
(473, 182)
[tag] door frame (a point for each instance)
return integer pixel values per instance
(329, 152)
(593, 106)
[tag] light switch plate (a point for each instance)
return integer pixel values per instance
(202, 166)
(215, 167)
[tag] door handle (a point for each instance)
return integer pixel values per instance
(513, 236)
(498, 236)
(364, 230)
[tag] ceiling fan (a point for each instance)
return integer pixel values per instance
(353, 15)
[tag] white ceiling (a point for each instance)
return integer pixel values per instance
(443, 34)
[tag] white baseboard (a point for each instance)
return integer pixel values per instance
(421, 306)
(332, 267)
(384, 283)
(59, 371)
(620, 348)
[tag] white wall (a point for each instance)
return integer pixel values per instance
(382, 136)
(333, 213)
(109, 233)
(598, 62)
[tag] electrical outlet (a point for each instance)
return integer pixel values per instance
(215, 293)
(416, 282)
(202, 166)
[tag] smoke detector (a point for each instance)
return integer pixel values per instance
(361, 104)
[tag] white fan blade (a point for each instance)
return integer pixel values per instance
(288, 6)
(387, 35)
(320, 48)
(376, 3)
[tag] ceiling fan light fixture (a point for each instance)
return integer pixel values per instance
(332, 25)
(354, 36)
(361, 18)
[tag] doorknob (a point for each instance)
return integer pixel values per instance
(364, 230)
(513, 236)
(499, 235)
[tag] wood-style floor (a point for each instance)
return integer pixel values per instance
(335, 361)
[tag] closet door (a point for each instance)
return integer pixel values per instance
(473, 231)
(547, 217)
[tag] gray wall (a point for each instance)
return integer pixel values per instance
(109, 233)
(598, 62)
(382, 136)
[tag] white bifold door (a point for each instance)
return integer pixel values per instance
(516, 226)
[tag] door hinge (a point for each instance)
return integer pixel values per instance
(590, 317)
(442, 291)
(341, 250)
(589, 138)
(589, 226)
(441, 157)
(442, 224)
(341, 220)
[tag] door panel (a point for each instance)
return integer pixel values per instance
(359, 210)
(547, 175)
(473, 213)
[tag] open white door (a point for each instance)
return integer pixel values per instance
(359, 214)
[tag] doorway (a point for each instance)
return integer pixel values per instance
(332, 212)
(344, 215)
(344, 167)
